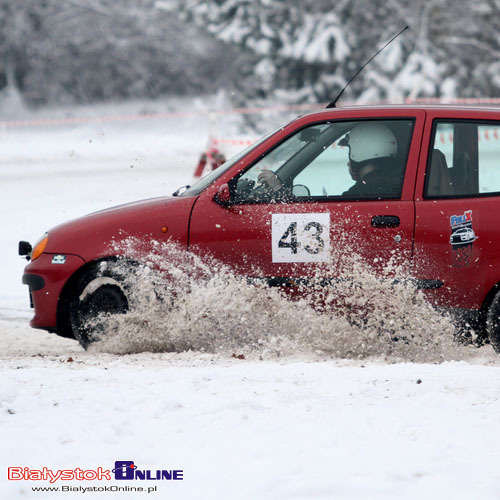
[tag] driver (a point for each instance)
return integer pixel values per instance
(372, 149)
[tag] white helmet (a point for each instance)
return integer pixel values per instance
(368, 141)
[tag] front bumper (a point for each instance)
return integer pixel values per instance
(46, 279)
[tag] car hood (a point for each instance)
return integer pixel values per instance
(91, 236)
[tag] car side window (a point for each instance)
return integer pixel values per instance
(463, 160)
(363, 159)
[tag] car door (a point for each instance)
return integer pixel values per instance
(312, 228)
(457, 243)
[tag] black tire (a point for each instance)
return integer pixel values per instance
(493, 323)
(99, 291)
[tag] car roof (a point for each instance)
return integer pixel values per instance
(420, 106)
(489, 111)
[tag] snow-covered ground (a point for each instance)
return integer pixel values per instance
(300, 426)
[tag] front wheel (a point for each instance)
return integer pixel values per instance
(493, 323)
(99, 293)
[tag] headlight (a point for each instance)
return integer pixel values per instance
(39, 247)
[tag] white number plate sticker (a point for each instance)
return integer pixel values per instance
(301, 237)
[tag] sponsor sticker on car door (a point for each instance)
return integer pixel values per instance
(300, 237)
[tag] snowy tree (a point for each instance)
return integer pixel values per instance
(85, 50)
(308, 49)
(287, 45)
(295, 50)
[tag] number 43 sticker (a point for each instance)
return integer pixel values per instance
(301, 237)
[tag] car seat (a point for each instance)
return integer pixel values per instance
(439, 182)
(462, 174)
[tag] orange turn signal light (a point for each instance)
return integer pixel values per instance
(39, 248)
(164, 229)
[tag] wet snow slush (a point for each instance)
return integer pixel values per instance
(182, 302)
(250, 394)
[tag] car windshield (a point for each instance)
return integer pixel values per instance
(205, 181)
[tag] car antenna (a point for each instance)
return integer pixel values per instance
(332, 104)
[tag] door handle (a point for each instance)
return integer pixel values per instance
(385, 221)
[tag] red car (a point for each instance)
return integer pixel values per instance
(421, 182)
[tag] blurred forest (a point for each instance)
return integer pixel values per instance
(82, 51)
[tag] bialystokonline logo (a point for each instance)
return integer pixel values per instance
(124, 470)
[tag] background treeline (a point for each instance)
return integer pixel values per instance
(67, 51)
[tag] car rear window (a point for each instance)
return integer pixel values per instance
(464, 159)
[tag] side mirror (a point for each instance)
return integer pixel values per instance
(300, 190)
(223, 196)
